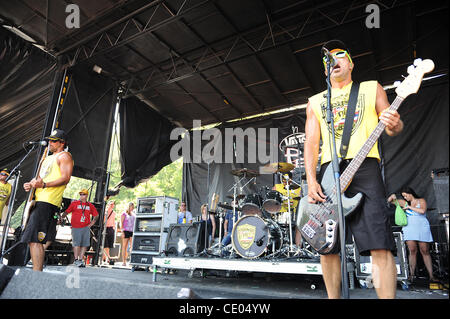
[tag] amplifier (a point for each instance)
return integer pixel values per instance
(141, 259)
(440, 186)
(149, 225)
(146, 243)
(363, 264)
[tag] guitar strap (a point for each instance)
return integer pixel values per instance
(349, 119)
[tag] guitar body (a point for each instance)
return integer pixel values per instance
(318, 223)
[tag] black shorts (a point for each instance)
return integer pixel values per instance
(109, 237)
(41, 226)
(128, 234)
(369, 223)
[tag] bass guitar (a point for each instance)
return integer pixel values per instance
(30, 200)
(318, 223)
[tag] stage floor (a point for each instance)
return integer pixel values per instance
(216, 285)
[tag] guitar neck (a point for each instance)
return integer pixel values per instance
(356, 162)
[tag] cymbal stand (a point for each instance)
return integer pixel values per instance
(291, 249)
(234, 187)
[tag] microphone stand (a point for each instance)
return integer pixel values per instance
(6, 227)
(335, 163)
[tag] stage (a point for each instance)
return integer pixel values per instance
(118, 282)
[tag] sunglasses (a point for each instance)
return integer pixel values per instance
(3, 174)
(338, 54)
(83, 194)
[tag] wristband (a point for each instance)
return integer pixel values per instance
(44, 185)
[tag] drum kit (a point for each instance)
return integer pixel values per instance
(264, 221)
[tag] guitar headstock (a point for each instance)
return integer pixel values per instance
(411, 83)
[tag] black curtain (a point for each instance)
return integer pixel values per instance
(87, 117)
(144, 141)
(423, 145)
(26, 85)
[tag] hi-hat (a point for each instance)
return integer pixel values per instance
(244, 171)
(276, 167)
(238, 197)
(228, 206)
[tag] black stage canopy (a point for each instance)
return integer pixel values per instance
(207, 60)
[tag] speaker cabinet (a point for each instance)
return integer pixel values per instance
(186, 239)
(364, 263)
(440, 185)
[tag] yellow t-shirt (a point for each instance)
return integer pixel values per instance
(49, 172)
(293, 193)
(365, 120)
(5, 191)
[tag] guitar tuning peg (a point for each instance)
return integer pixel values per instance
(410, 69)
(397, 83)
(417, 61)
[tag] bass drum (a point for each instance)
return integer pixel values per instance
(252, 236)
(251, 205)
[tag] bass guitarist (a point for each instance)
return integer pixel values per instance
(49, 186)
(369, 224)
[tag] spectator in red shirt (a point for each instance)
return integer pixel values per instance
(81, 223)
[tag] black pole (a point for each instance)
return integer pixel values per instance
(336, 171)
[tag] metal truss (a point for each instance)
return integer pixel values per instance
(283, 27)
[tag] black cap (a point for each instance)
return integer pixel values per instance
(336, 44)
(57, 134)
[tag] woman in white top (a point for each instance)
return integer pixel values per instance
(417, 232)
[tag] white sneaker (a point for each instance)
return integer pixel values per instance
(76, 262)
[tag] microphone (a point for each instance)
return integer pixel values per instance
(43, 143)
(260, 241)
(329, 56)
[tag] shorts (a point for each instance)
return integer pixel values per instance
(127, 234)
(41, 226)
(109, 237)
(81, 237)
(369, 223)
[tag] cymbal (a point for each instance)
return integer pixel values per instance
(228, 206)
(276, 167)
(244, 171)
(238, 197)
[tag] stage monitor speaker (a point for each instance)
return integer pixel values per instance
(185, 239)
(71, 283)
(440, 185)
(364, 263)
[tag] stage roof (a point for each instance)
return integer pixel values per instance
(227, 59)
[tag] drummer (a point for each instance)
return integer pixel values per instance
(294, 193)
